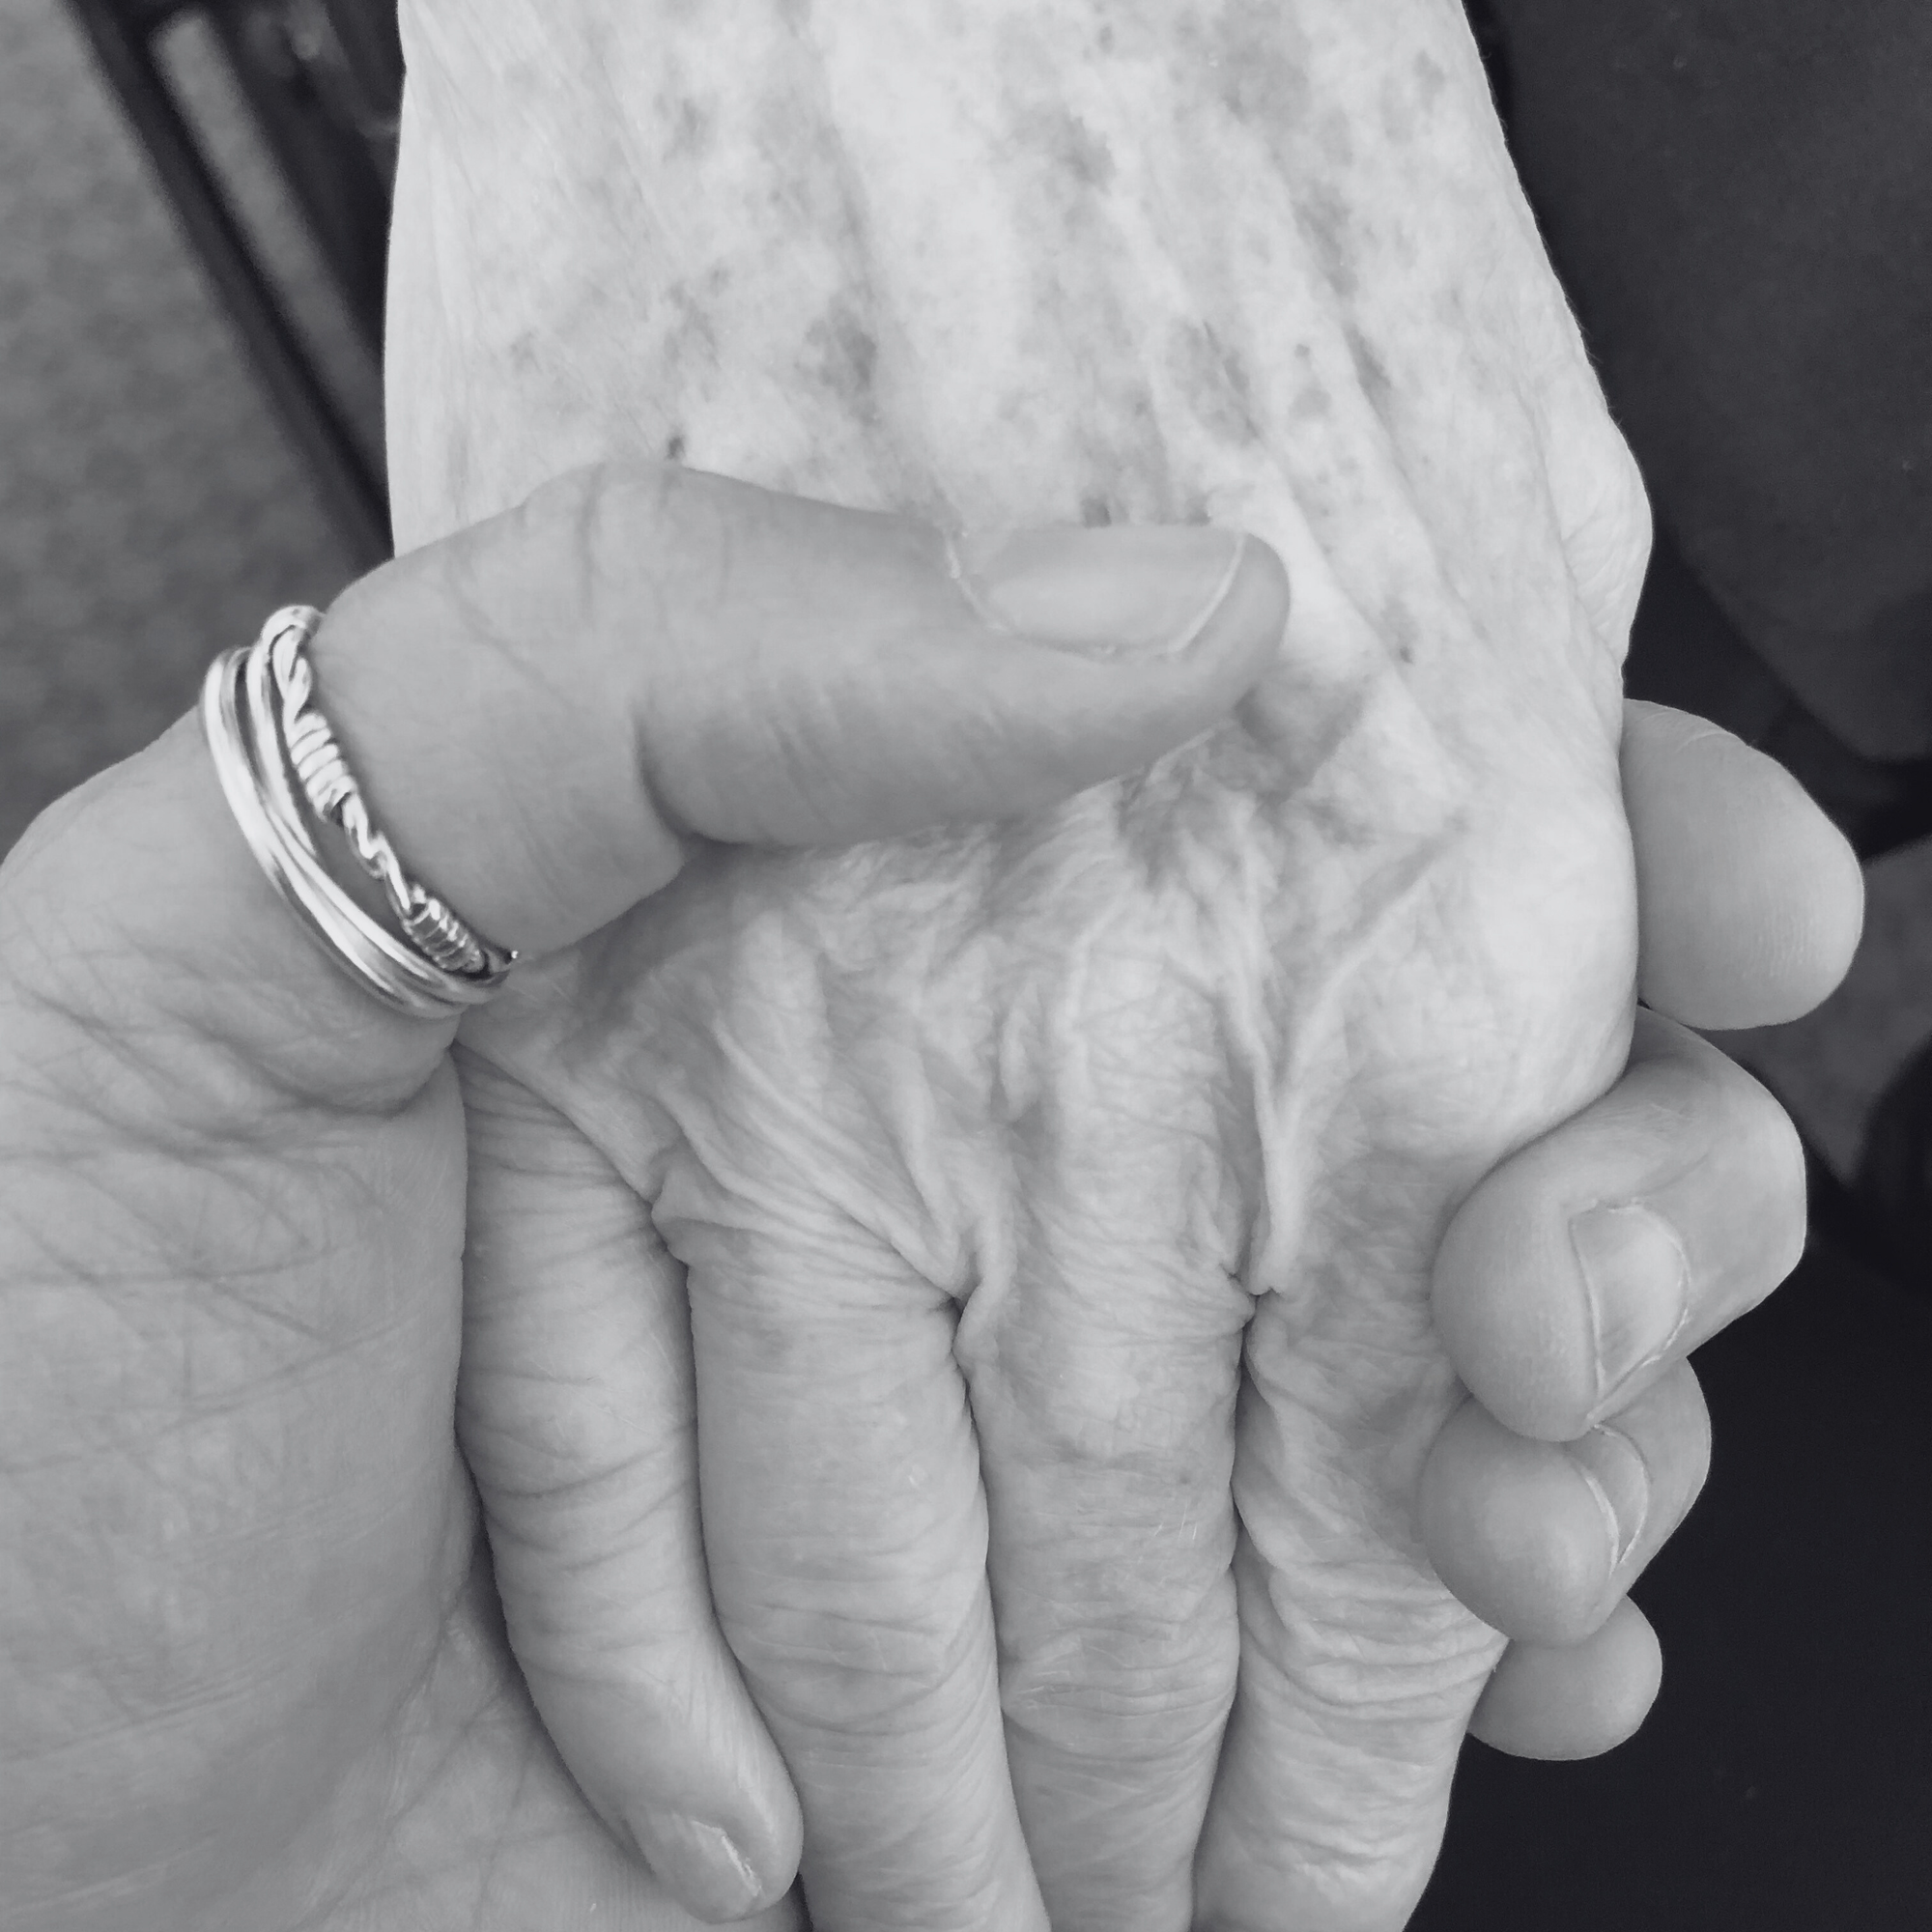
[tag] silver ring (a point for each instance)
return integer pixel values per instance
(274, 755)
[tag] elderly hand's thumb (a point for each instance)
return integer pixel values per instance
(547, 706)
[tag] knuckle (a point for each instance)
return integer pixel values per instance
(1326, 1872)
(1608, 530)
(639, 549)
(658, 520)
(552, 1466)
(1133, 1694)
(893, 1666)
(1396, 1650)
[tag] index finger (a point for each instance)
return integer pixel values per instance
(1589, 1262)
(1750, 901)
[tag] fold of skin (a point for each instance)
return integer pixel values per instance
(1222, 1046)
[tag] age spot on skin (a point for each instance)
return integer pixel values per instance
(1311, 404)
(1399, 631)
(1074, 152)
(1217, 383)
(845, 356)
(1373, 377)
(1323, 220)
(692, 129)
(1084, 154)
(1259, 62)
(691, 341)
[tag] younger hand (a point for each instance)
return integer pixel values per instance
(252, 1671)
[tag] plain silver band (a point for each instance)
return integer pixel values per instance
(237, 719)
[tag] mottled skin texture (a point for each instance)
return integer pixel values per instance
(1210, 1055)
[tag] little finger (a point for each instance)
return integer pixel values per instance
(1572, 1701)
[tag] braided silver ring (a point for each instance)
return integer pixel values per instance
(280, 765)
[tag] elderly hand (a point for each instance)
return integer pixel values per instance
(995, 1165)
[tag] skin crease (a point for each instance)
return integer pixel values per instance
(213, 1722)
(1214, 1052)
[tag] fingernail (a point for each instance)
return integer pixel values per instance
(1121, 590)
(1612, 1466)
(699, 1861)
(1638, 1283)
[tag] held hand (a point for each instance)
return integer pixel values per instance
(579, 1421)
(253, 1659)
(981, 1153)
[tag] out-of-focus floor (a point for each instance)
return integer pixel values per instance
(151, 514)
(151, 511)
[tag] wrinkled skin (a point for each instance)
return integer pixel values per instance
(1198, 1064)
(255, 1667)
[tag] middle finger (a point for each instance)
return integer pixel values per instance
(1103, 1386)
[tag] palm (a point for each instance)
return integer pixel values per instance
(254, 1675)
(459, 1817)
(1246, 1028)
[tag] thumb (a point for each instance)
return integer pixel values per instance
(550, 706)
(546, 711)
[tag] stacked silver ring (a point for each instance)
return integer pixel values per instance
(282, 771)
